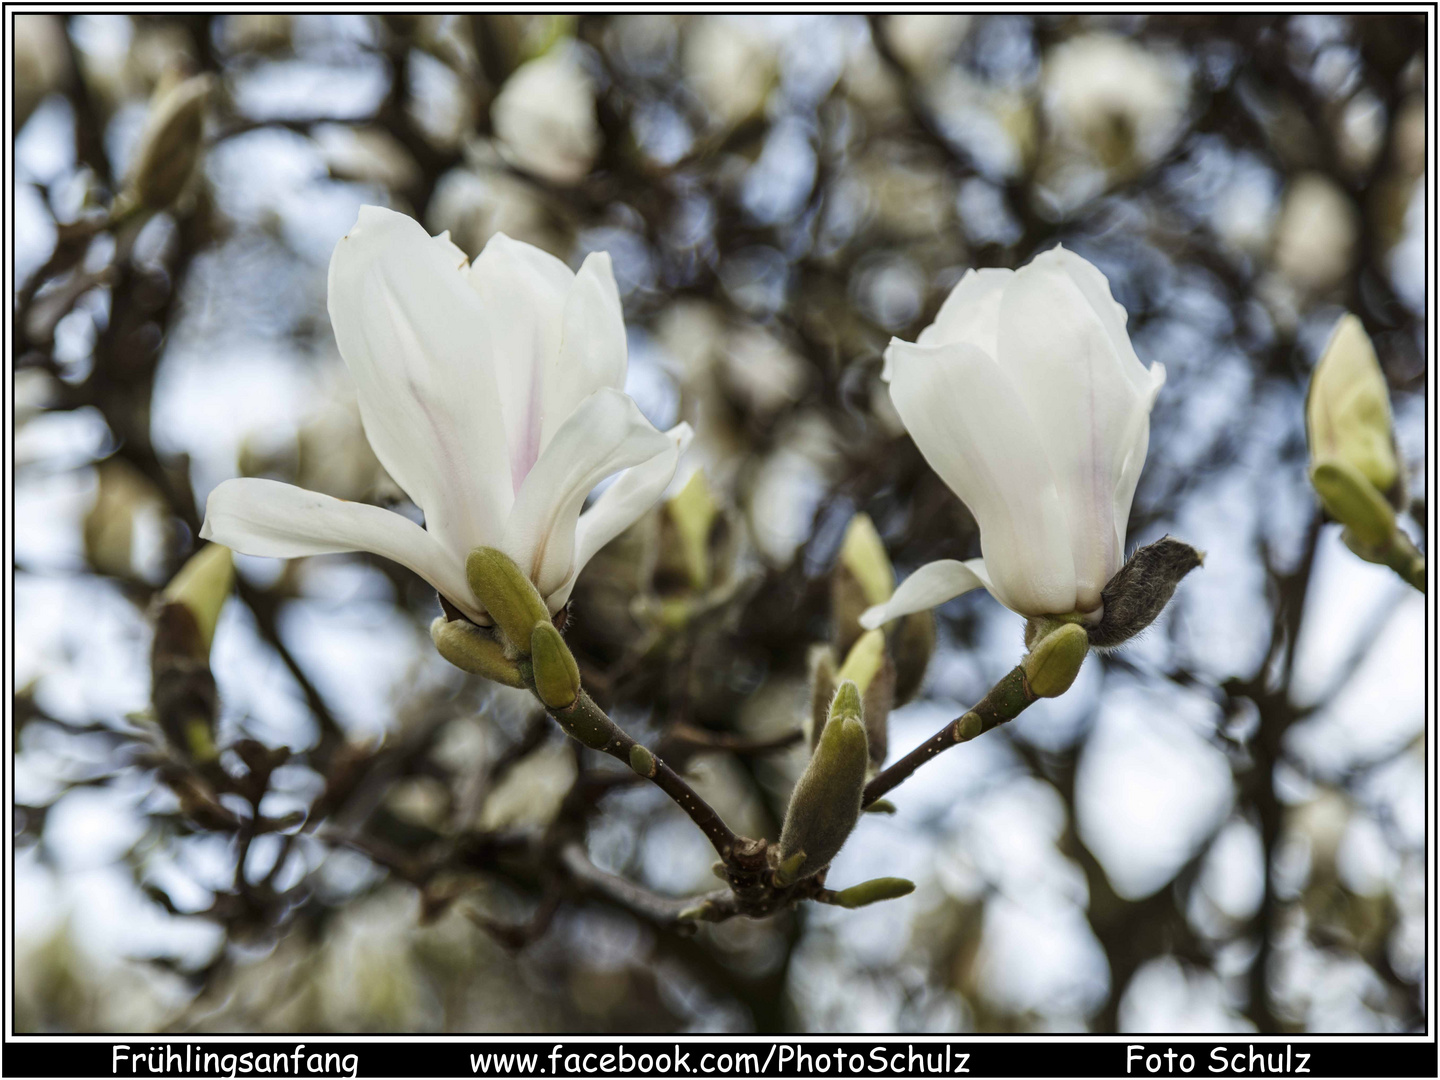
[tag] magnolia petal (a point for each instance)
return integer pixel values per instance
(605, 434)
(1095, 288)
(971, 424)
(1077, 390)
(268, 518)
(1138, 440)
(521, 292)
(928, 587)
(621, 505)
(971, 312)
(413, 336)
(593, 351)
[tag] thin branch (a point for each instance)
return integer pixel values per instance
(1006, 700)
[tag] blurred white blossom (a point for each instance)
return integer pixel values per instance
(544, 116)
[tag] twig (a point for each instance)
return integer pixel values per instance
(1006, 700)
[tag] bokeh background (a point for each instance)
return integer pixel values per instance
(1220, 828)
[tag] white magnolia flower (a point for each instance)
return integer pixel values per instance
(492, 395)
(544, 116)
(1027, 398)
(1115, 97)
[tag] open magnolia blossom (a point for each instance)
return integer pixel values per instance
(1027, 398)
(492, 393)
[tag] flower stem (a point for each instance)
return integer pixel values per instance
(1006, 700)
(587, 722)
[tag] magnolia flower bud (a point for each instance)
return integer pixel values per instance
(1347, 420)
(171, 145)
(183, 690)
(873, 891)
(869, 667)
(474, 649)
(557, 676)
(1055, 660)
(545, 116)
(507, 595)
(202, 586)
(692, 512)
(863, 577)
(825, 804)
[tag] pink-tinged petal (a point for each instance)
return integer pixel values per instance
(415, 339)
(621, 505)
(929, 586)
(973, 427)
(605, 434)
(521, 292)
(268, 518)
(1078, 391)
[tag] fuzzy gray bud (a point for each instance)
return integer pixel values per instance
(1139, 592)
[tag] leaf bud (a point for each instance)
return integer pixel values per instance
(869, 667)
(557, 676)
(1055, 660)
(873, 891)
(507, 595)
(822, 689)
(474, 649)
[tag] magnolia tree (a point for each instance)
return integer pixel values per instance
(893, 381)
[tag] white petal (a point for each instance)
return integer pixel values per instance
(974, 430)
(971, 312)
(1076, 387)
(1139, 442)
(593, 350)
(1095, 288)
(521, 292)
(605, 434)
(268, 518)
(928, 587)
(621, 505)
(414, 338)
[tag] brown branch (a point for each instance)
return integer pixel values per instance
(1006, 700)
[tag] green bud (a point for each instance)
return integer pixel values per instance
(865, 659)
(506, 594)
(557, 676)
(868, 666)
(202, 585)
(863, 577)
(1347, 411)
(822, 689)
(825, 804)
(863, 553)
(694, 914)
(787, 870)
(693, 511)
(474, 649)
(880, 806)
(873, 891)
(642, 761)
(1354, 502)
(1055, 661)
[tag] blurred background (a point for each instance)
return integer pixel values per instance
(1220, 828)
